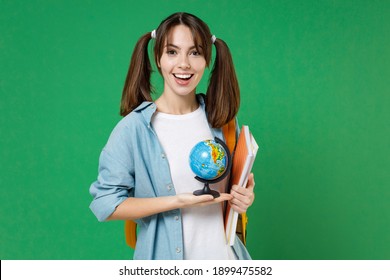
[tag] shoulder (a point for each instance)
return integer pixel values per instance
(130, 125)
(140, 116)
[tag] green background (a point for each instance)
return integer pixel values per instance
(314, 77)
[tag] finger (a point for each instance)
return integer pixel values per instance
(242, 197)
(237, 208)
(238, 189)
(242, 204)
(203, 198)
(247, 192)
(224, 197)
(251, 181)
(211, 200)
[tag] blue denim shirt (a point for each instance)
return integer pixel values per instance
(133, 164)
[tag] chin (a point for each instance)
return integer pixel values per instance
(185, 92)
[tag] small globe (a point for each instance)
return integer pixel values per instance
(208, 160)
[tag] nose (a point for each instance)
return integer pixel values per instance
(184, 62)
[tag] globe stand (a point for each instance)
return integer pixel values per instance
(206, 189)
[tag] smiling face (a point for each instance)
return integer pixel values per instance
(182, 64)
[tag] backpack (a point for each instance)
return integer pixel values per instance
(229, 131)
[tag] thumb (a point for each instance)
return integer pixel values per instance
(251, 181)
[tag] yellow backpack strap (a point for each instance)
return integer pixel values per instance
(241, 227)
(131, 233)
(244, 222)
(229, 132)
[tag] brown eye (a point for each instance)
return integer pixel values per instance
(171, 52)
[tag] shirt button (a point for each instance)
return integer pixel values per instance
(178, 250)
(176, 218)
(169, 187)
(163, 156)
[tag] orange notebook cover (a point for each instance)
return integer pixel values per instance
(243, 159)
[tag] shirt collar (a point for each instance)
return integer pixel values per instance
(148, 108)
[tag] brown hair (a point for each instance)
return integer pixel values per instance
(223, 93)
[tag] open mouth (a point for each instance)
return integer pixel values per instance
(184, 77)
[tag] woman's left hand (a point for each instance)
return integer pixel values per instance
(243, 197)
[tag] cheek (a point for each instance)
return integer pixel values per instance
(166, 65)
(200, 66)
(201, 73)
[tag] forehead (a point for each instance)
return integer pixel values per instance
(181, 36)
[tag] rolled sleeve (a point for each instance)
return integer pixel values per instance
(114, 185)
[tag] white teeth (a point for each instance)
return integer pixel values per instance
(182, 76)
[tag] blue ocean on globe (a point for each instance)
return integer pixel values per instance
(208, 159)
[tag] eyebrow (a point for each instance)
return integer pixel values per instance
(177, 47)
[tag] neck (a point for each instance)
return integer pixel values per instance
(177, 105)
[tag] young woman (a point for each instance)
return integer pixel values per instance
(144, 174)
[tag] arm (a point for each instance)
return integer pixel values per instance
(114, 191)
(135, 208)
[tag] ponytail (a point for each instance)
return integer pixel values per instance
(137, 86)
(223, 92)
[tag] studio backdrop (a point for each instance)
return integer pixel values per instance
(314, 79)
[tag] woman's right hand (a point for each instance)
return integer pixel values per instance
(187, 200)
(135, 208)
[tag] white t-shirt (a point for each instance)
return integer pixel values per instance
(203, 227)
